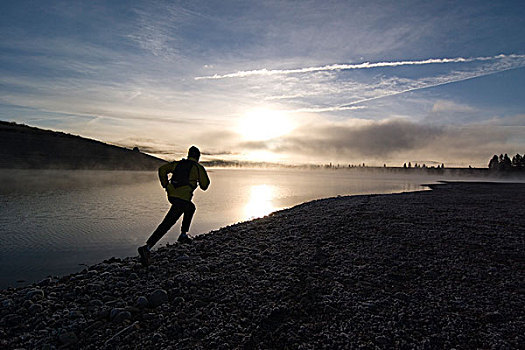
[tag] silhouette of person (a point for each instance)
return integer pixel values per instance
(185, 175)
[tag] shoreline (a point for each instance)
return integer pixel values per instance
(435, 268)
(24, 268)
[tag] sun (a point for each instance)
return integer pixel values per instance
(264, 124)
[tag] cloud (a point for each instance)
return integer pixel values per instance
(451, 106)
(336, 91)
(454, 113)
(357, 138)
(392, 141)
(512, 120)
(323, 109)
(475, 143)
(158, 26)
(364, 65)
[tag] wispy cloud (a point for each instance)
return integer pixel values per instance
(364, 65)
(330, 92)
(453, 77)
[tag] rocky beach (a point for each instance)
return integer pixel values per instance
(430, 269)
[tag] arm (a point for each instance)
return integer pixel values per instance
(204, 180)
(164, 170)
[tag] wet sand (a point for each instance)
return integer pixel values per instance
(431, 269)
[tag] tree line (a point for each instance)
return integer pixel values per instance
(504, 163)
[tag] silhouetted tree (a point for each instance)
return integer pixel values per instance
(494, 163)
(409, 165)
(507, 163)
(517, 161)
(500, 162)
(405, 165)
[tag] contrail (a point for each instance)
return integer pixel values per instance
(352, 105)
(364, 65)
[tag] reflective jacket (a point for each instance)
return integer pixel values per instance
(197, 175)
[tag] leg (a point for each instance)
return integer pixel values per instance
(189, 210)
(171, 218)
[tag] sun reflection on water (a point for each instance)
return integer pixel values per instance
(260, 202)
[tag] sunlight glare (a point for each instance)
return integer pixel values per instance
(260, 202)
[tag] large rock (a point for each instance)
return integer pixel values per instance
(158, 297)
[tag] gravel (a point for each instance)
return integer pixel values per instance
(430, 269)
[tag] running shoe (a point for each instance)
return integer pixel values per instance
(144, 256)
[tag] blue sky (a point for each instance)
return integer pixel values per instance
(287, 81)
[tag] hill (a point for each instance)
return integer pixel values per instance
(25, 147)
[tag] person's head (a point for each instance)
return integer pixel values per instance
(194, 153)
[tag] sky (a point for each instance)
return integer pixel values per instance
(379, 82)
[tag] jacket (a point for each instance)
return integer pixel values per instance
(197, 175)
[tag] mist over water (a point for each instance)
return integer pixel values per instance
(53, 221)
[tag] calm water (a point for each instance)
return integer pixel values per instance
(52, 222)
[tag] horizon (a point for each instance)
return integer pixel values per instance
(276, 82)
(223, 163)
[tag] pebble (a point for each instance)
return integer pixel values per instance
(122, 316)
(142, 302)
(6, 303)
(178, 301)
(183, 257)
(114, 312)
(35, 308)
(494, 317)
(35, 294)
(75, 314)
(45, 282)
(12, 320)
(68, 338)
(96, 302)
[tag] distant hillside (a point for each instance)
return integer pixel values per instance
(28, 147)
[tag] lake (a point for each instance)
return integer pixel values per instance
(56, 222)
